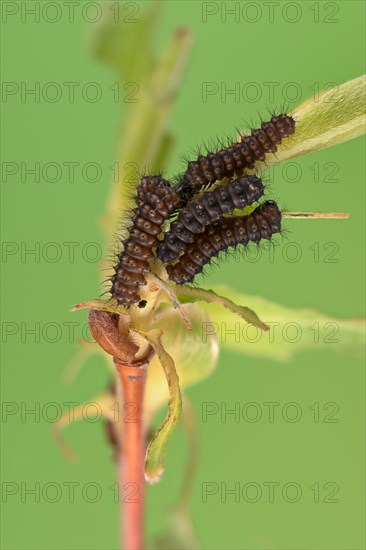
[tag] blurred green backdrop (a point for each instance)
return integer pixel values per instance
(299, 47)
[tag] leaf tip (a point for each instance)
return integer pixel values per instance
(154, 476)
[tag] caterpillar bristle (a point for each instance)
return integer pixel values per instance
(187, 221)
(201, 212)
(235, 157)
(156, 200)
(262, 223)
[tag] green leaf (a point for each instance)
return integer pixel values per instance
(194, 359)
(336, 116)
(188, 294)
(156, 450)
(291, 330)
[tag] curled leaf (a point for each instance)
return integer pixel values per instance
(156, 450)
(194, 358)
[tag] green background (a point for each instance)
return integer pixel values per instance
(305, 52)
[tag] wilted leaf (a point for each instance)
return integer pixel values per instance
(291, 330)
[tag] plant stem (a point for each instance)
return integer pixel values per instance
(131, 456)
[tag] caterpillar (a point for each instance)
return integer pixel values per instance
(200, 212)
(262, 223)
(234, 159)
(156, 200)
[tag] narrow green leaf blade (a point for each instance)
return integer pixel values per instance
(291, 330)
(188, 294)
(156, 450)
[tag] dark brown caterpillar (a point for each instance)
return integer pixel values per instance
(262, 223)
(234, 159)
(156, 200)
(199, 213)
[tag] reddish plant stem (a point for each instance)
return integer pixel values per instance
(132, 454)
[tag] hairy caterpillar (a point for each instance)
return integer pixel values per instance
(156, 200)
(234, 159)
(262, 223)
(199, 213)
